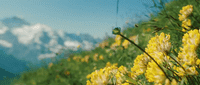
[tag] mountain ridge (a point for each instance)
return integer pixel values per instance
(34, 42)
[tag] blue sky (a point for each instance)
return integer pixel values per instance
(95, 17)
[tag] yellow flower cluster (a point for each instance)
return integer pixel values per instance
(78, 58)
(174, 82)
(159, 44)
(154, 73)
(140, 65)
(67, 73)
(187, 56)
(86, 58)
(95, 56)
(103, 44)
(110, 74)
(158, 47)
(78, 46)
(125, 44)
(147, 30)
(68, 59)
(117, 42)
(50, 65)
(184, 13)
(101, 57)
(185, 24)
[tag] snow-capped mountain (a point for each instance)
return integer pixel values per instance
(34, 42)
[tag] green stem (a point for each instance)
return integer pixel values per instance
(145, 53)
(198, 79)
(193, 82)
(178, 63)
(175, 74)
(195, 79)
(177, 30)
(189, 81)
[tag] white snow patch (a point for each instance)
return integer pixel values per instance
(3, 30)
(5, 43)
(27, 34)
(71, 43)
(53, 42)
(61, 33)
(56, 49)
(43, 56)
(88, 45)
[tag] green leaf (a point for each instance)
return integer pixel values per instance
(131, 80)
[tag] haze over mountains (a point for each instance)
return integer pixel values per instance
(27, 44)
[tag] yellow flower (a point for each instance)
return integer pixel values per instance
(106, 76)
(167, 82)
(68, 59)
(57, 76)
(82, 59)
(140, 64)
(180, 72)
(103, 44)
(187, 54)
(118, 37)
(88, 82)
(118, 42)
(66, 72)
(186, 24)
(123, 69)
(110, 54)
(149, 29)
(125, 44)
(113, 46)
(86, 58)
(95, 56)
(159, 44)
(158, 47)
(108, 64)
(33, 82)
(182, 17)
(156, 20)
(185, 12)
(198, 62)
(174, 82)
(191, 71)
(78, 46)
(125, 84)
(50, 65)
(154, 73)
(101, 57)
(188, 70)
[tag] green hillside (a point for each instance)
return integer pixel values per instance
(169, 54)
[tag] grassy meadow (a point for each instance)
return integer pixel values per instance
(167, 54)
